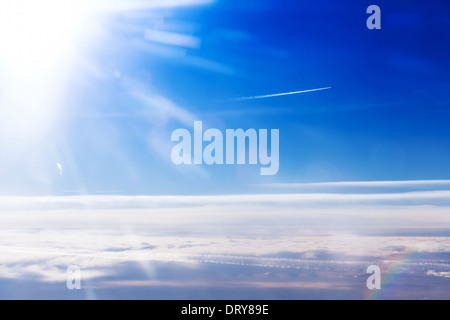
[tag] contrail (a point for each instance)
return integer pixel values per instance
(277, 95)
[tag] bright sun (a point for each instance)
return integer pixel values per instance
(35, 34)
(38, 40)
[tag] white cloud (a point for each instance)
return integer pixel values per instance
(41, 236)
(438, 274)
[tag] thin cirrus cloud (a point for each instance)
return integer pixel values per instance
(434, 197)
(372, 184)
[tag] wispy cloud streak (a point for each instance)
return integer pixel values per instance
(120, 202)
(375, 184)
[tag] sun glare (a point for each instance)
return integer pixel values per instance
(35, 34)
(39, 40)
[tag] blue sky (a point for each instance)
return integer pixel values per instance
(385, 117)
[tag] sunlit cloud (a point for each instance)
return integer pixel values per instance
(438, 274)
(101, 234)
